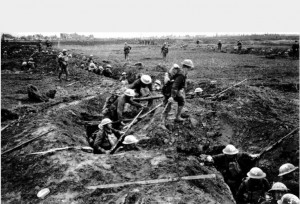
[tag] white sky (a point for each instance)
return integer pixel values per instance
(132, 34)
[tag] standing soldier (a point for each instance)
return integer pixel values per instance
(174, 90)
(233, 165)
(143, 87)
(277, 191)
(127, 49)
(295, 50)
(165, 50)
(63, 62)
(239, 44)
(219, 45)
(254, 187)
(288, 177)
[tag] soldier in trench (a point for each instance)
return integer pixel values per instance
(143, 87)
(254, 187)
(287, 174)
(63, 63)
(233, 165)
(114, 109)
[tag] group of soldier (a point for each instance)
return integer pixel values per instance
(254, 188)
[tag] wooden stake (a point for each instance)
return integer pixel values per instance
(20, 145)
(155, 181)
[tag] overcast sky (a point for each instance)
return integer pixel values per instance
(131, 34)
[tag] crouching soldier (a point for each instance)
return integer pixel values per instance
(254, 188)
(232, 165)
(277, 191)
(31, 63)
(105, 138)
(143, 87)
(107, 71)
(116, 109)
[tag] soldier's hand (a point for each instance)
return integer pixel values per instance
(107, 152)
(171, 100)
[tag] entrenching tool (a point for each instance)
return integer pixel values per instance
(86, 149)
(114, 148)
(155, 181)
(275, 144)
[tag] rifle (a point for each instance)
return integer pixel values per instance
(148, 98)
(275, 144)
(220, 93)
(114, 148)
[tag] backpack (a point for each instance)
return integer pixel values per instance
(253, 196)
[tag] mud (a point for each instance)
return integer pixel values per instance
(249, 116)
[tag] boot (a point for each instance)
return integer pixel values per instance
(178, 118)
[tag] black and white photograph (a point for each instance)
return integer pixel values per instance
(181, 115)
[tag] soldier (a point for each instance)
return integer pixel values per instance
(31, 63)
(63, 62)
(157, 85)
(90, 59)
(287, 176)
(105, 138)
(127, 49)
(232, 165)
(107, 71)
(239, 44)
(254, 187)
(92, 67)
(219, 45)
(295, 49)
(116, 109)
(143, 87)
(173, 90)
(289, 199)
(165, 50)
(48, 44)
(277, 191)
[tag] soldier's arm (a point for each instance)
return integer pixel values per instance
(133, 85)
(117, 133)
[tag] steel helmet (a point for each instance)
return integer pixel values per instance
(146, 79)
(30, 59)
(188, 63)
(91, 55)
(230, 150)
(286, 168)
(175, 66)
(130, 139)
(124, 73)
(64, 50)
(198, 90)
(289, 199)
(108, 66)
(129, 92)
(105, 121)
(256, 173)
(24, 63)
(92, 65)
(278, 186)
(158, 82)
(70, 55)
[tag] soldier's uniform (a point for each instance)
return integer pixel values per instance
(63, 62)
